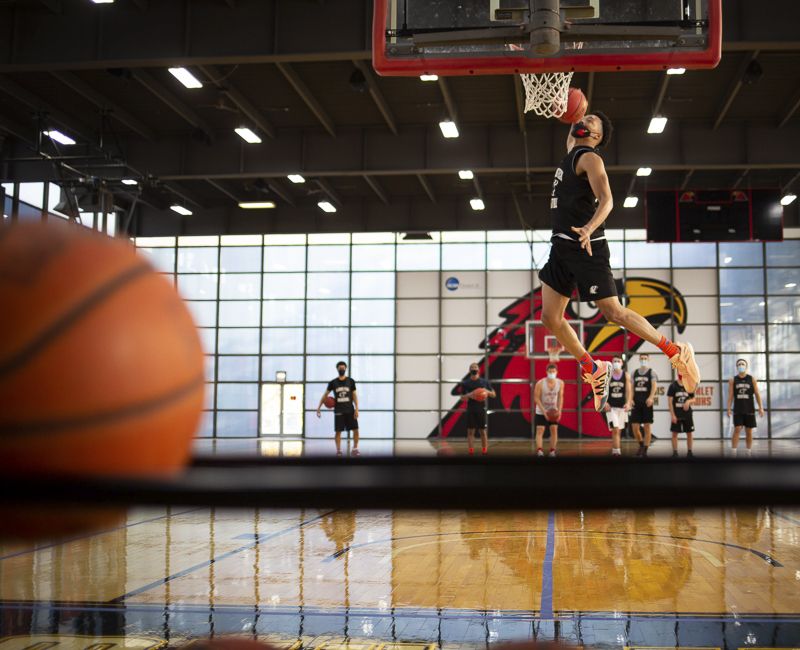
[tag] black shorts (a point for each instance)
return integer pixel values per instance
(683, 425)
(746, 420)
(569, 265)
(476, 419)
(541, 421)
(345, 422)
(641, 414)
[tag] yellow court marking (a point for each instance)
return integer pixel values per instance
(346, 645)
(79, 642)
(674, 647)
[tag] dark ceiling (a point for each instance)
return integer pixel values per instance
(285, 68)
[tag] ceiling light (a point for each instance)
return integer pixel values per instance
(429, 77)
(657, 125)
(185, 77)
(644, 171)
(129, 181)
(327, 206)
(466, 175)
(59, 137)
(676, 70)
(476, 204)
(296, 178)
(103, 2)
(180, 210)
(630, 202)
(248, 135)
(449, 129)
(726, 304)
(790, 285)
(727, 260)
(257, 205)
(788, 199)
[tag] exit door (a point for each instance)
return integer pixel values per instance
(281, 409)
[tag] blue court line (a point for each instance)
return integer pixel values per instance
(206, 563)
(95, 534)
(546, 601)
(786, 517)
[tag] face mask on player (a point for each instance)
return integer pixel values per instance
(342, 370)
(473, 371)
(643, 363)
(580, 130)
(551, 375)
(617, 365)
(742, 368)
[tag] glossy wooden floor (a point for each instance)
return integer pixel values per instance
(710, 578)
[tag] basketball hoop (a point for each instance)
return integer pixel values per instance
(553, 347)
(546, 94)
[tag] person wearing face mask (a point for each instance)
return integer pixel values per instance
(645, 382)
(742, 389)
(476, 409)
(346, 408)
(548, 395)
(580, 203)
(620, 396)
(680, 401)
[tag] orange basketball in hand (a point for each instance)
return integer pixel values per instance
(481, 394)
(101, 368)
(552, 415)
(330, 402)
(576, 107)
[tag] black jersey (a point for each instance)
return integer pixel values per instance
(743, 394)
(616, 391)
(572, 202)
(643, 381)
(343, 390)
(468, 385)
(679, 396)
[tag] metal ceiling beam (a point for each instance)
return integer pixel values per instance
(791, 182)
(376, 187)
(277, 189)
(477, 184)
(449, 102)
(36, 103)
(218, 186)
(377, 95)
(734, 88)
(325, 186)
(791, 109)
(427, 187)
(662, 91)
(102, 102)
(171, 100)
(248, 109)
(519, 100)
(740, 178)
(17, 130)
(182, 192)
(686, 178)
(307, 96)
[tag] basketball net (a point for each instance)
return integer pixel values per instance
(553, 347)
(546, 94)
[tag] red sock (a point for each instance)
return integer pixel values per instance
(668, 347)
(587, 364)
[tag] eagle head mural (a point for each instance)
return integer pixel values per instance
(510, 412)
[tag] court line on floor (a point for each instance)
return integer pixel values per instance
(218, 558)
(96, 534)
(546, 600)
(796, 522)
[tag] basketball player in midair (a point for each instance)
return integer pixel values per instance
(346, 409)
(620, 399)
(476, 409)
(548, 395)
(579, 206)
(645, 383)
(742, 389)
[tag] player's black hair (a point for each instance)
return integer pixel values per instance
(743, 361)
(608, 128)
(552, 365)
(341, 363)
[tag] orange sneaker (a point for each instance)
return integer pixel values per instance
(599, 381)
(684, 362)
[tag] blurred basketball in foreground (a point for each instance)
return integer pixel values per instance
(101, 369)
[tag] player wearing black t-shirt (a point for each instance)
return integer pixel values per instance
(742, 393)
(346, 408)
(619, 403)
(680, 403)
(645, 382)
(476, 409)
(579, 257)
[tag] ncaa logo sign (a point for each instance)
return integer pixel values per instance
(451, 283)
